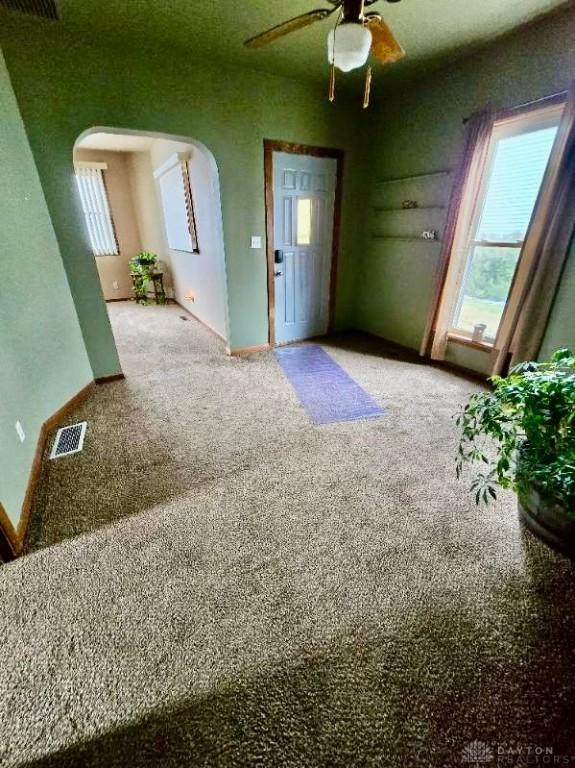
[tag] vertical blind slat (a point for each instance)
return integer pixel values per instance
(93, 228)
(103, 201)
(96, 217)
(91, 183)
(96, 209)
(88, 207)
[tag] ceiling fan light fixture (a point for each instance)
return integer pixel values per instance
(348, 45)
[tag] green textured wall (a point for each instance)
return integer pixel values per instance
(561, 326)
(43, 362)
(65, 87)
(421, 130)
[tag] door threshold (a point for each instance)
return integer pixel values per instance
(307, 339)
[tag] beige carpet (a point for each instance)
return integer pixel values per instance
(216, 582)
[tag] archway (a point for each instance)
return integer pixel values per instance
(144, 191)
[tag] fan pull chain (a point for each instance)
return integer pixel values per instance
(367, 90)
(332, 70)
(332, 83)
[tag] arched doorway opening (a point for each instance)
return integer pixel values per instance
(148, 193)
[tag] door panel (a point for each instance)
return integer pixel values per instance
(289, 279)
(304, 194)
(287, 221)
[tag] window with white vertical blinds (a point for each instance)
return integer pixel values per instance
(96, 208)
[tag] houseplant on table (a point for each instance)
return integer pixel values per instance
(522, 434)
(141, 268)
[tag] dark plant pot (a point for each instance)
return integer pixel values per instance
(548, 520)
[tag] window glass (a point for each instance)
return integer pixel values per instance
(516, 176)
(304, 221)
(486, 287)
(514, 172)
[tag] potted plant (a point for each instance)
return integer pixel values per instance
(522, 433)
(141, 267)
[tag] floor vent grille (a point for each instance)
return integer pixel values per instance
(45, 9)
(69, 440)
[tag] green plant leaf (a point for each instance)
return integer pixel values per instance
(528, 420)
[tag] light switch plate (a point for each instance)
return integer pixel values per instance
(256, 241)
(20, 431)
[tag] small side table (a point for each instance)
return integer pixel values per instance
(159, 292)
(140, 283)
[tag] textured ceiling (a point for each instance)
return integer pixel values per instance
(430, 30)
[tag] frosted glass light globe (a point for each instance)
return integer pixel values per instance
(348, 46)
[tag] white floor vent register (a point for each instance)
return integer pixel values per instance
(69, 440)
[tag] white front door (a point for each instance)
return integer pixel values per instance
(304, 194)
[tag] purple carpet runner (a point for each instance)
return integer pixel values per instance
(325, 390)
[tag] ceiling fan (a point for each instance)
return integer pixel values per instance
(349, 43)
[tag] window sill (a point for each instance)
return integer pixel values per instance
(467, 341)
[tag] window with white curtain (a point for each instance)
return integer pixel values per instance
(96, 208)
(518, 153)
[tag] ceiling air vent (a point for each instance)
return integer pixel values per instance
(69, 440)
(45, 9)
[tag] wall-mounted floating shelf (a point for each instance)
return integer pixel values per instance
(413, 178)
(405, 239)
(428, 194)
(383, 209)
(411, 222)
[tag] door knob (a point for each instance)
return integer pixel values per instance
(277, 274)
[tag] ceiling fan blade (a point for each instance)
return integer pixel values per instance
(298, 22)
(384, 46)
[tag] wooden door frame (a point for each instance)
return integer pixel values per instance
(9, 544)
(271, 146)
